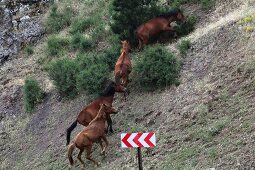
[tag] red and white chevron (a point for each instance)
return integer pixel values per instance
(134, 140)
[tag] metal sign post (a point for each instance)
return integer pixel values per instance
(138, 140)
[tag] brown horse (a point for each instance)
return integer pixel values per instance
(91, 110)
(156, 25)
(94, 132)
(123, 65)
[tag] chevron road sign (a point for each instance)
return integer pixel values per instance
(138, 140)
(134, 140)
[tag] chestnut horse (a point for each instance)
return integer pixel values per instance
(123, 65)
(94, 132)
(91, 110)
(156, 25)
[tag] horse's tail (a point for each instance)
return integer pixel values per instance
(70, 149)
(69, 130)
(132, 37)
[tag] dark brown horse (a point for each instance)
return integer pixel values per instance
(94, 132)
(123, 65)
(156, 25)
(91, 110)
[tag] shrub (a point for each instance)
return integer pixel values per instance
(56, 45)
(187, 26)
(157, 68)
(80, 42)
(128, 13)
(110, 56)
(92, 73)
(80, 25)
(63, 73)
(28, 50)
(32, 94)
(183, 47)
(206, 4)
(58, 20)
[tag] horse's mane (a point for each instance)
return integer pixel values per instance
(109, 90)
(173, 12)
(97, 116)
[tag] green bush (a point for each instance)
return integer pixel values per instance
(92, 73)
(58, 20)
(186, 27)
(80, 25)
(111, 55)
(63, 73)
(29, 50)
(183, 47)
(80, 42)
(157, 68)
(56, 45)
(131, 13)
(32, 94)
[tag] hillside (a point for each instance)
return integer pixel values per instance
(205, 122)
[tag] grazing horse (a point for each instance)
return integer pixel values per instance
(94, 132)
(156, 25)
(91, 110)
(123, 65)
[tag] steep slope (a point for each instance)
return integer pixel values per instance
(205, 122)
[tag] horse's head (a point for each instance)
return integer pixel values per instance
(106, 110)
(125, 46)
(180, 16)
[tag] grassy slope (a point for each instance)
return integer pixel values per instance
(205, 122)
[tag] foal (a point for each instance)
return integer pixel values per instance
(156, 25)
(94, 132)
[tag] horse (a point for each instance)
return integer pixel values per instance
(123, 65)
(156, 25)
(90, 111)
(94, 132)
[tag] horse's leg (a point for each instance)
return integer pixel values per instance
(89, 149)
(79, 157)
(106, 143)
(102, 146)
(109, 124)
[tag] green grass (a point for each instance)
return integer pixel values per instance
(29, 50)
(57, 46)
(183, 46)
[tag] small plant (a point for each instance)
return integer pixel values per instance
(80, 42)
(248, 29)
(206, 4)
(63, 73)
(111, 55)
(56, 45)
(157, 67)
(32, 94)
(58, 20)
(183, 47)
(29, 50)
(187, 27)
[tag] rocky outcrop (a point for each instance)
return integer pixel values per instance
(19, 25)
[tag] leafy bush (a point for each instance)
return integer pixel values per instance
(58, 20)
(29, 50)
(128, 13)
(32, 94)
(80, 42)
(63, 73)
(56, 45)
(183, 47)
(92, 73)
(187, 26)
(80, 25)
(157, 68)
(110, 56)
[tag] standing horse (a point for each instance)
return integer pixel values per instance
(91, 110)
(123, 65)
(156, 25)
(94, 132)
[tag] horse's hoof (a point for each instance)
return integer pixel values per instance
(111, 130)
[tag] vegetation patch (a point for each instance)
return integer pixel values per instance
(205, 4)
(186, 27)
(57, 45)
(58, 20)
(156, 67)
(29, 50)
(79, 42)
(80, 25)
(183, 46)
(32, 94)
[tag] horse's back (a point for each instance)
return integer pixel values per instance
(152, 26)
